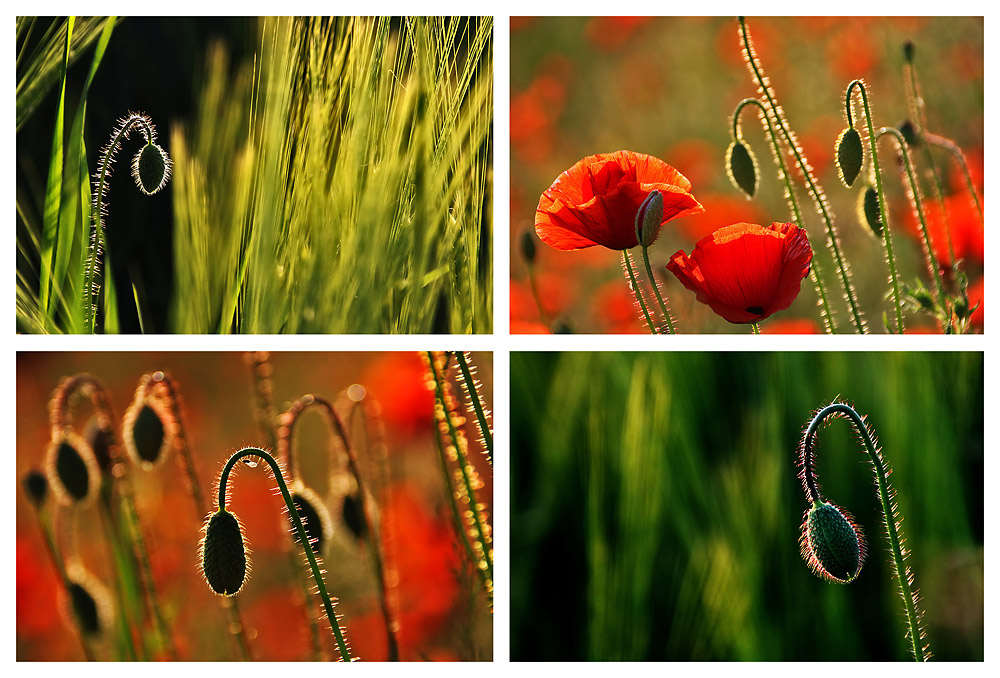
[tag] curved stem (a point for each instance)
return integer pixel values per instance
(959, 156)
(815, 272)
(299, 528)
(656, 290)
(885, 495)
(634, 285)
(818, 197)
(883, 210)
(932, 261)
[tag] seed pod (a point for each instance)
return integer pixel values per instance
(314, 515)
(832, 544)
(72, 470)
(850, 155)
(151, 168)
(869, 212)
(36, 486)
(224, 554)
(741, 166)
(148, 432)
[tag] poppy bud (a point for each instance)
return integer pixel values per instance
(36, 486)
(648, 219)
(909, 132)
(961, 307)
(528, 249)
(151, 168)
(741, 165)
(869, 211)
(72, 469)
(908, 50)
(832, 544)
(314, 516)
(87, 602)
(354, 516)
(148, 433)
(850, 155)
(224, 554)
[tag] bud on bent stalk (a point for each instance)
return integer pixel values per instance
(741, 166)
(832, 545)
(224, 554)
(850, 155)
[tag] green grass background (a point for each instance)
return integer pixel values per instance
(655, 506)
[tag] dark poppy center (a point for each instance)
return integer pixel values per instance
(756, 310)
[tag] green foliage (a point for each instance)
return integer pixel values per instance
(656, 512)
(340, 184)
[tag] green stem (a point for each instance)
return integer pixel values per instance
(817, 194)
(656, 290)
(57, 562)
(815, 272)
(634, 285)
(125, 581)
(959, 156)
(470, 388)
(99, 244)
(538, 299)
(299, 528)
(755, 328)
(486, 571)
(885, 494)
(883, 209)
(932, 261)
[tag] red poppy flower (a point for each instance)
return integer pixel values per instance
(594, 202)
(746, 272)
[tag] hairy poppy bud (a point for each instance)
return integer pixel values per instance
(850, 155)
(741, 166)
(354, 516)
(87, 602)
(909, 132)
(314, 516)
(148, 433)
(151, 168)
(869, 211)
(224, 554)
(648, 219)
(72, 469)
(832, 544)
(528, 249)
(908, 50)
(36, 486)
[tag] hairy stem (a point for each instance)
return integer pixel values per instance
(299, 528)
(816, 271)
(883, 210)
(886, 498)
(814, 189)
(634, 286)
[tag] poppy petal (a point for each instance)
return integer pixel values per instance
(595, 201)
(746, 272)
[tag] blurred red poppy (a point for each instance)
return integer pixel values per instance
(594, 202)
(746, 272)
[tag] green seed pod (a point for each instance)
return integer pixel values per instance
(832, 544)
(869, 212)
(36, 486)
(528, 248)
(147, 431)
(72, 470)
(151, 168)
(224, 554)
(741, 166)
(314, 515)
(850, 155)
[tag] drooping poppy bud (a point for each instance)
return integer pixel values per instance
(832, 544)
(224, 554)
(741, 166)
(850, 155)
